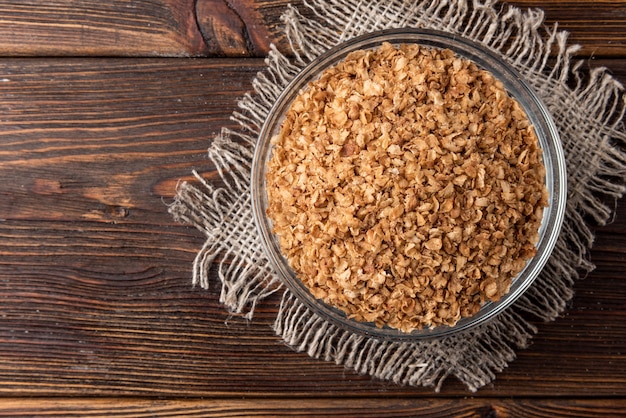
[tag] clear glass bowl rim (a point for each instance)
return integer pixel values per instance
(545, 128)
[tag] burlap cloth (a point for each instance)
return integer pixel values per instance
(588, 108)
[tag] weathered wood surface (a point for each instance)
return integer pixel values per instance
(235, 28)
(97, 314)
(95, 296)
(328, 407)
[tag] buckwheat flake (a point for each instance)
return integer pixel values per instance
(406, 187)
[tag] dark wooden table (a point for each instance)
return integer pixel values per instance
(104, 106)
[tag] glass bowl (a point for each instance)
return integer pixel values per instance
(549, 141)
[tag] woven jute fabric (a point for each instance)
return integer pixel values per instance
(588, 109)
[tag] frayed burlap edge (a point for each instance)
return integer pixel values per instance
(588, 108)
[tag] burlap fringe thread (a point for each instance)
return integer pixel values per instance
(588, 108)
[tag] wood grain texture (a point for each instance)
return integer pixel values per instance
(93, 27)
(598, 26)
(95, 294)
(97, 313)
(233, 28)
(230, 27)
(324, 407)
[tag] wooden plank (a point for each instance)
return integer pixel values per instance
(94, 274)
(229, 28)
(92, 27)
(598, 26)
(316, 407)
(235, 28)
(91, 140)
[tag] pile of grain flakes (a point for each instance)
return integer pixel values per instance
(406, 187)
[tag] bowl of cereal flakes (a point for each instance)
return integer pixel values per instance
(408, 184)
